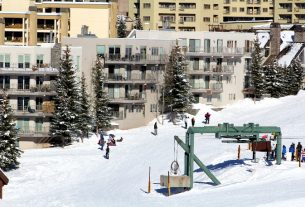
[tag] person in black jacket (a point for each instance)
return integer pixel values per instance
(299, 151)
(155, 128)
(107, 152)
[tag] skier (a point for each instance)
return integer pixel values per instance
(207, 117)
(284, 152)
(299, 151)
(292, 150)
(102, 140)
(185, 121)
(193, 122)
(107, 152)
(156, 128)
(303, 155)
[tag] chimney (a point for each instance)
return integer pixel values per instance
(84, 30)
(275, 38)
(299, 33)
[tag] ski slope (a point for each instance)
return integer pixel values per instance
(79, 176)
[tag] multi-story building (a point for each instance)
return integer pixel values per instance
(133, 69)
(217, 62)
(202, 15)
(27, 76)
(292, 11)
(32, 22)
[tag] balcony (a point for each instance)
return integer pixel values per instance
(45, 90)
(215, 51)
(45, 27)
(46, 109)
(214, 70)
(34, 132)
(132, 98)
(43, 69)
(133, 79)
(13, 26)
(209, 89)
(136, 59)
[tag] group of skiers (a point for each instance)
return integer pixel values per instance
(207, 120)
(110, 142)
(296, 152)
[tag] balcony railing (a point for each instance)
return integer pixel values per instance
(136, 58)
(132, 78)
(129, 98)
(37, 69)
(117, 114)
(46, 109)
(214, 51)
(43, 131)
(13, 26)
(207, 88)
(45, 27)
(219, 69)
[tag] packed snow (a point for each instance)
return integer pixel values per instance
(80, 176)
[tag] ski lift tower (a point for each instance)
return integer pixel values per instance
(248, 133)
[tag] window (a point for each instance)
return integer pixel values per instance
(206, 6)
(23, 82)
(38, 124)
(241, 9)
(232, 96)
(153, 108)
(207, 45)
(23, 124)
(146, 18)
(23, 103)
(265, 9)
(209, 98)
(23, 61)
(194, 45)
(206, 19)
(5, 60)
(155, 51)
(4, 82)
(114, 51)
(39, 60)
(39, 102)
(146, 5)
(100, 50)
(234, 9)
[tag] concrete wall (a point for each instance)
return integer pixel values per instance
(13, 6)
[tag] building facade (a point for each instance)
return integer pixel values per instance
(202, 15)
(34, 22)
(289, 12)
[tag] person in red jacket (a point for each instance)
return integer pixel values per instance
(193, 122)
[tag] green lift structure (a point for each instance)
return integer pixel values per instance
(248, 133)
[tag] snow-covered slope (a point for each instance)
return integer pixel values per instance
(79, 176)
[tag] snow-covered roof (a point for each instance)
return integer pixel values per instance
(286, 59)
(287, 38)
(267, 26)
(263, 38)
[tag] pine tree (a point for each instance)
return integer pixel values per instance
(121, 27)
(257, 78)
(296, 77)
(9, 151)
(138, 24)
(177, 88)
(84, 115)
(64, 124)
(101, 110)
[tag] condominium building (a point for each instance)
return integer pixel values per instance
(217, 62)
(27, 76)
(32, 22)
(201, 15)
(133, 69)
(292, 11)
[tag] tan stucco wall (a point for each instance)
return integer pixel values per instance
(13, 6)
(96, 19)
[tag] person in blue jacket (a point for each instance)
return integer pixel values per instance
(284, 152)
(292, 150)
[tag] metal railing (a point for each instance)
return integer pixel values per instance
(213, 69)
(133, 77)
(140, 58)
(215, 51)
(209, 86)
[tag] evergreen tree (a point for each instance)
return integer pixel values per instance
(138, 24)
(9, 151)
(64, 124)
(296, 77)
(257, 79)
(270, 77)
(101, 110)
(121, 27)
(84, 115)
(177, 88)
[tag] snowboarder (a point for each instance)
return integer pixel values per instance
(185, 121)
(155, 128)
(284, 152)
(299, 151)
(107, 152)
(207, 117)
(193, 122)
(292, 150)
